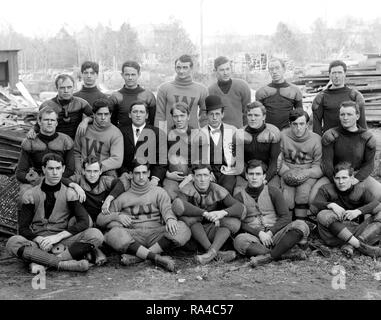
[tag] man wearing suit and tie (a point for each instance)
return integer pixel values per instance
(141, 140)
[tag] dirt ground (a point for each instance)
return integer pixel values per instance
(316, 278)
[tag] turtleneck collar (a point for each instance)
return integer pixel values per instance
(63, 102)
(283, 84)
(337, 90)
(136, 90)
(254, 130)
(90, 89)
(254, 192)
(140, 190)
(46, 138)
(346, 192)
(184, 82)
(303, 138)
(97, 127)
(350, 133)
(48, 188)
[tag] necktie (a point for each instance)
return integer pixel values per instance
(215, 131)
(137, 132)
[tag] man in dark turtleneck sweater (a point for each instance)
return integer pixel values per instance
(279, 97)
(130, 93)
(29, 167)
(183, 89)
(326, 104)
(234, 93)
(89, 91)
(70, 109)
(350, 142)
(267, 230)
(261, 139)
(341, 207)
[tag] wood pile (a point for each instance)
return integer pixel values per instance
(367, 80)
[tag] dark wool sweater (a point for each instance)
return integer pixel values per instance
(90, 94)
(268, 152)
(356, 197)
(326, 106)
(70, 113)
(123, 100)
(279, 99)
(358, 148)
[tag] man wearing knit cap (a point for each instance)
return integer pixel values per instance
(327, 103)
(342, 208)
(217, 145)
(235, 93)
(89, 91)
(350, 143)
(131, 92)
(43, 223)
(70, 109)
(300, 155)
(279, 97)
(29, 167)
(135, 224)
(182, 89)
(212, 214)
(267, 231)
(102, 139)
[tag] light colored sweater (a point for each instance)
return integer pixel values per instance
(188, 91)
(105, 143)
(234, 101)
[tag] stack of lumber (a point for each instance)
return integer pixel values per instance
(367, 80)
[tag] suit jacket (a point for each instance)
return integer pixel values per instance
(147, 146)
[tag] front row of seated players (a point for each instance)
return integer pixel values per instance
(45, 227)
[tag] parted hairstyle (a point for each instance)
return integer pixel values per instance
(102, 103)
(297, 113)
(90, 64)
(63, 77)
(354, 105)
(344, 165)
(131, 64)
(200, 166)
(255, 163)
(140, 162)
(52, 157)
(91, 160)
(254, 105)
(182, 106)
(337, 63)
(139, 102)
(47, 109)
(185, 58)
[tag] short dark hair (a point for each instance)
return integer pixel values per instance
(90, 64)
(63, 77)
(200, 166)
(140, 102)
(348, 104)
(52, 157)
(297, 113)
(91, 160)
(102, 103)
(182, 106)
(337, 63)
(254, 105)
(344, 165)
(219, 61)
(185, 58)
(255, 163)
(47, 109)
(140, 162)
(131, 64)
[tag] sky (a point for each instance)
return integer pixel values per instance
(43, 18)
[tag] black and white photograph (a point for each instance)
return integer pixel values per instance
(208, 152)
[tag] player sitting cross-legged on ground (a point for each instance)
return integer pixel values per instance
(268, 232)
(135, 222)
(211, 213)
(341, 208)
